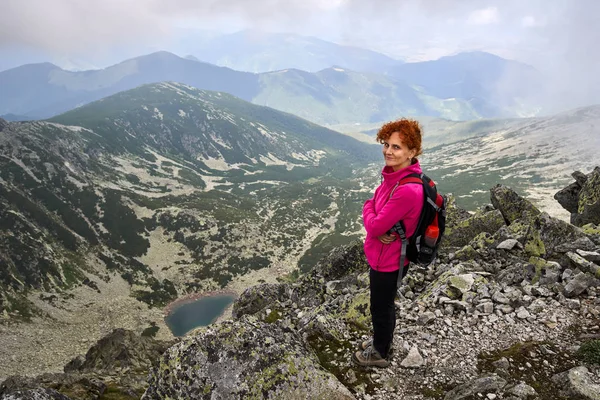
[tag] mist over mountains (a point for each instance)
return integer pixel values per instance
(334, 95)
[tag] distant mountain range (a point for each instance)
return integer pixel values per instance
(255, 51)
(330, 96)
(97, 191)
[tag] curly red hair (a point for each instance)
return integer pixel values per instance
(410, 133)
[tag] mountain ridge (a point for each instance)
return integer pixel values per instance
(59, 91)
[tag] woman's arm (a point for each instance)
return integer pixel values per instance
(396, 209)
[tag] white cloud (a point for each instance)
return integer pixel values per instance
(484, 16)
(531, 22)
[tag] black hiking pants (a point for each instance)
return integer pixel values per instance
(383, 311)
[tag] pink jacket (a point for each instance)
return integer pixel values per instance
(381, 213)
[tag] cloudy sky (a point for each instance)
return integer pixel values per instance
(100, 32)
(559, 37)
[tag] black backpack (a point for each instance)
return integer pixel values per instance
(421, 248)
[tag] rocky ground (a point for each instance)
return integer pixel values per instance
(510, 310)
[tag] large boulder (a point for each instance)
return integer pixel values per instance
(512, 206)
(588, 210)
(569, 196)
(242, 359)
(462, 232)
(582, 198)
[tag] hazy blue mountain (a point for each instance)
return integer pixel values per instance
(143, 186)
(44, 90)
(330, 96)
(493, 86)
(256, 51)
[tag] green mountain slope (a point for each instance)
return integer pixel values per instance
(172, 189)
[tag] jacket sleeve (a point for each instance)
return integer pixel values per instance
(397, 208)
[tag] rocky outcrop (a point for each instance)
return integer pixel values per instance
(117, 366)
(500, 314)
(241, 359)
(582, 198)
(512, 206)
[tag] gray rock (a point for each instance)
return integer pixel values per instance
(537, 306)
(462, 283)
(462, 229)
(413, 359)
(485, 308)
(502, 364)
(505, 308)
(509, 244)
(499, 297)
(487, 384)
(522, 390)
(591, 256)
(522, 313)
(583, 264)
(573, 304)
(578, 285)
(35, 394)
(577, 383)
(426, 318)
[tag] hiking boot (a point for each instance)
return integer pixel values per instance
(370, 358)
(365, 344)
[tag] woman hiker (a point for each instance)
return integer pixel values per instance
(391, 203)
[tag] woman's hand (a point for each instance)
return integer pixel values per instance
(387, 238)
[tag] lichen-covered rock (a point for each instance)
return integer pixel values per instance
(584, 265)
(559, 236)
(467, 229)
(546, 272)
(243, 359)
(441, 286)
(463, 283)
(454, 214)
(511, 205)
(592, 231)
(588, 210)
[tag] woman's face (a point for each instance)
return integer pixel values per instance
(395, 152)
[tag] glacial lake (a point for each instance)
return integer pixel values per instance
(201, 312)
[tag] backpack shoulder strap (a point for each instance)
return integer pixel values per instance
(412, 178)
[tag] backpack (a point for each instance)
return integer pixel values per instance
(421, 248)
